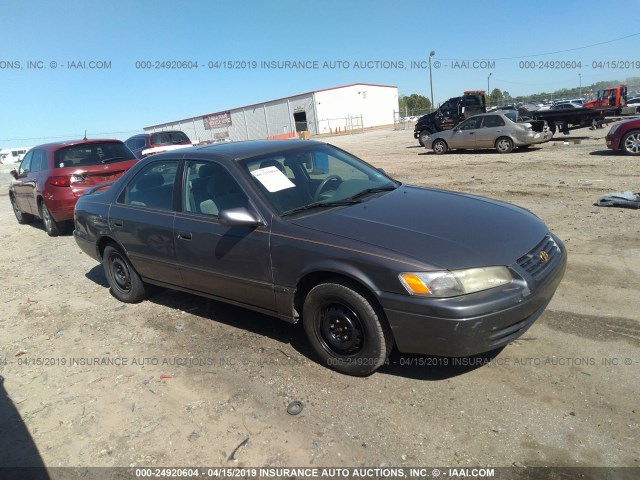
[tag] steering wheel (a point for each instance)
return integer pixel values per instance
(316, 196)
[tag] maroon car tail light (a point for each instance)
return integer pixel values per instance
(60, 181)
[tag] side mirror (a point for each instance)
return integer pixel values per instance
(239, 217)
(381, 170)
(14, 173)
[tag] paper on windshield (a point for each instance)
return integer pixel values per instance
(272, 179)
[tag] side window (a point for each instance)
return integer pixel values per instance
(130, 144)
(471, 124)
(210, 188)
(492, 121)
(39, 161)
(25, 166)
(152, 187)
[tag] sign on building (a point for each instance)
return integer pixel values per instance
(218, 120)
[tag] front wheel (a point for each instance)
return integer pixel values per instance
(423, 138)
(22, 217)
(439, 147)
(630, 143)
(126, 285)
(347, 331)
(504, 145)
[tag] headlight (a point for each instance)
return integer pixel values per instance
(614, 127)
(453, 283)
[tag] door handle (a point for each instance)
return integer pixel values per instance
(184, 236)
(117, 224)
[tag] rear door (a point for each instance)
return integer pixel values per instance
(493, 126)
(142, 221)
(229, 262)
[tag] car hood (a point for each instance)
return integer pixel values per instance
(445, 230)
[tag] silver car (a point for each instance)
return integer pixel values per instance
(490, 130)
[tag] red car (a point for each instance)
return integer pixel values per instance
(51, 177)
(625, 136)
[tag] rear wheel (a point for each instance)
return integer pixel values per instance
(52, 227)
(504, 145)
(440, 146)
(630, 143)
(126, 285)
(22, 217)
(347, 330)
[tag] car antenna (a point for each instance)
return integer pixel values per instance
(85, 134)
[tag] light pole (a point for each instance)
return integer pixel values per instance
(431, 54)
(488, 89)
(580, 77)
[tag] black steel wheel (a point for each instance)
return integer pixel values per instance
(22, 217)
(439, 147)
(504, 145)
(126, 285)
(347, 330)
(630, 143)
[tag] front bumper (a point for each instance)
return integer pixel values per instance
(613, 143)
(469, 324)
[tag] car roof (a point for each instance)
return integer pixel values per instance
(238, 150)
(68, 143)
(148, 134)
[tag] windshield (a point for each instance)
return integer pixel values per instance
(169, 138)
(314, 176)
(88, 154)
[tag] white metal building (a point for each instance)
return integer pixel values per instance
(338, 109)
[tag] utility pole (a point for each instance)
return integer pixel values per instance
(431, 54)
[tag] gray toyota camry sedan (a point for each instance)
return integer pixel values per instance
(306, 232)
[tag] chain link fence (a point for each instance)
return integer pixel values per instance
(406, 119)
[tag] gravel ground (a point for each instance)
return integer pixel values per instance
(181, 380)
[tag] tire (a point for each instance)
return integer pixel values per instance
(630, 142)
(126, 285)
(504, 145)
(23, 218)
(50, 225)
(346, 330)
(439, 147)
(423, 137)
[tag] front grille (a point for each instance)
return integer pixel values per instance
(536, 263)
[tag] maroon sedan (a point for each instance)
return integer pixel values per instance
(625, 136)
(51, 177)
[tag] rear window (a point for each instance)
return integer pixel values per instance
(169, 138)
(92, 154)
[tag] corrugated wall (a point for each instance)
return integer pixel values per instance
(250, 123)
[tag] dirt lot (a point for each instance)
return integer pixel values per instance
(566, 394)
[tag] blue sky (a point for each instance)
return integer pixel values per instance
(45, 104)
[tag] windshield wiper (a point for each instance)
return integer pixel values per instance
(107, 160)
(367, 191)
(337, 203)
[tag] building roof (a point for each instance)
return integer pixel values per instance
(268, 101)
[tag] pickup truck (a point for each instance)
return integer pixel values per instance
(449, 114)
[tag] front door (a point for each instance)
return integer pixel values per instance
(21, 186)
(229, 262)
(464, 135)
